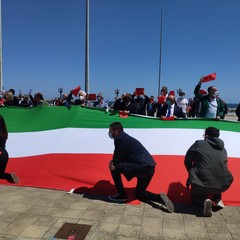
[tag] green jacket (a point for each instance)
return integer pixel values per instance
(205, 99)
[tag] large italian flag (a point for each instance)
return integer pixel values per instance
(57, 148)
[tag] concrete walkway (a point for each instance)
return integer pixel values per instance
(34, 213)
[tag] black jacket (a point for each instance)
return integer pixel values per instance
(238, 111)
(177, 111)
(206, 163)
(130, 155)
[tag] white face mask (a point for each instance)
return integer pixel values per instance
(110, 135)
(81, 98)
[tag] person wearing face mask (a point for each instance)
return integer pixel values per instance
(161, 100)
(208, 174)
(132, 159)
(182, 102)
(171, 109)
(125, 104)
(101, 103)
(211, 105)
(151, 107)
(82, 99)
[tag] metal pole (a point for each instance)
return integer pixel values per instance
(160, 55)
(87, 49)
(1, 81)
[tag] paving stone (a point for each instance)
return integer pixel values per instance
(129, 230)
(35, 213)
(131, 220)
(34, 231)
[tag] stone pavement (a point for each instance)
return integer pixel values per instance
(34, 213)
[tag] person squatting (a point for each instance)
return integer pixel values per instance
(205, 161)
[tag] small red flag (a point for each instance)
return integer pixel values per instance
(139, 91)
(209, 77)
(168, 118)
(75, 91)
(123, 114)
(92, 97)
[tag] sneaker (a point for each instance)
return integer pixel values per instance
(207, 208)
(118, 198)
(15, 178)
(167, 202)
(219, 204)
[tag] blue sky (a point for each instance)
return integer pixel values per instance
(44, 45)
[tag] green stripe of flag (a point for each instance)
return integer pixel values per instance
(55, 117)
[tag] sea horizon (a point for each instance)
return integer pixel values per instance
(232, 105)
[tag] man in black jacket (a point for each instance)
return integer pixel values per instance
(206, 163)
(171, 109)
(131, 159)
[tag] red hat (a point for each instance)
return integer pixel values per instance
(75, 91)
(202, 91)
(172, 93)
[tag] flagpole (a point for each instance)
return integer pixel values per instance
(87, 49)
(1, 82)
(160, 54)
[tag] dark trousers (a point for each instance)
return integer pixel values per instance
(3, 165)
(144, 177)
(199, 194)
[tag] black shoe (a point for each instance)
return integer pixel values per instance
(14, 178)
(167, 202)
(118, 198)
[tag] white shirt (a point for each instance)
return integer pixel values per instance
(212, 109)
(172, 110)
(183, 103)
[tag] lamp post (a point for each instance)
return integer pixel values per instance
(60, 90)
(117, 92)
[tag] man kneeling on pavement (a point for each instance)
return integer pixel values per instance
(208, 173)
(131, 159)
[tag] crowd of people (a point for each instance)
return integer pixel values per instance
(205, 161)
(206, 104)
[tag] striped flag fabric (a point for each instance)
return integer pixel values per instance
(53, 147)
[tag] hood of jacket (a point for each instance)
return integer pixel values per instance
(215, 142)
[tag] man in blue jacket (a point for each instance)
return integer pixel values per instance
(131, 159)
(208, 174)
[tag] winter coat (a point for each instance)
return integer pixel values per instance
(206, 163)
